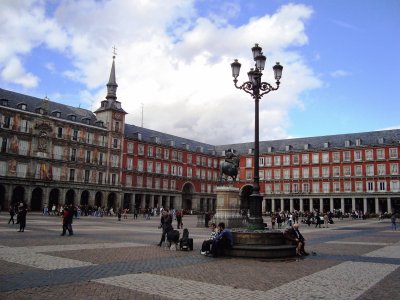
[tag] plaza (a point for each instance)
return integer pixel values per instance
(111, 259)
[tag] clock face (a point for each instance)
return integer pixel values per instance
(117, 116)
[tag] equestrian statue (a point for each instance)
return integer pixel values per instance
(229, 167)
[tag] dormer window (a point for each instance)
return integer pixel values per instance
(288, 147)
(358, 142)
(270, 149)
(99, 123)
(22, 106)
(72, 117)
(4, 102)
(103, 103)
(86, 120)
(56, 114)
(39, 110)
(347, 143)
(380, 140)
(306, 146)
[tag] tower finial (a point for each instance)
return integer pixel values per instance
(114, 51)
(112, 83)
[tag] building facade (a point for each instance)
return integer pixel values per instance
(53, 153)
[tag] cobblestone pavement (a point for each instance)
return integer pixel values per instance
(111, 259)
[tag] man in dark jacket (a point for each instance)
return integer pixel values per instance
(293, 235)
(166, 225)
(223, 241)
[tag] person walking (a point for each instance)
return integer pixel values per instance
(393, 219)
(22, 217)
(178, 216)
(65, 221)
(166, 225)
(12, 214)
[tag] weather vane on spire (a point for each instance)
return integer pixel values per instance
(114, 51)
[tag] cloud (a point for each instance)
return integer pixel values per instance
(340, 73)
(15, 72)
(176, 63)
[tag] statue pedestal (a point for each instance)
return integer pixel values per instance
(228, 207)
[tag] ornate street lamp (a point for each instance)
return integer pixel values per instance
(256, 88)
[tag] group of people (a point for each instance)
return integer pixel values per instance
(220, 240)
(20, 210)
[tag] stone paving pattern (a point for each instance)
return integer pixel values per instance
(111, 259)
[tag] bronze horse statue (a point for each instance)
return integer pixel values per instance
(229, 168)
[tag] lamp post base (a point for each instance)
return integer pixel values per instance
(255, 221)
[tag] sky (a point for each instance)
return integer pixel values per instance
(340, 62)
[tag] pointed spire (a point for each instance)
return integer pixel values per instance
(112, 84)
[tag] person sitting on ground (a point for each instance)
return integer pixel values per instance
(206, 246)
(223, 241)
(293, 235)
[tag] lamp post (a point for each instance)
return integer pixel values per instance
(256, 88)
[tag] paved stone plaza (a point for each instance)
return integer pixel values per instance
(107, 259)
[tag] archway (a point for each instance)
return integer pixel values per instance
(36, 200)
(111, 200)
(54, 198)
(98, 199)
(187, 196)
(70, 197)
(84, 198)
(18, 195)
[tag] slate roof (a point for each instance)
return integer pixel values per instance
(370, 138)
(131, 131)
(32, 103)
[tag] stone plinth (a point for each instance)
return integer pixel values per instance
(228, 207)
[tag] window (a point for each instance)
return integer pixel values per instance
(394, 185)
(315, 187)
(87, 175)
(268, 188)
(100, 178)
(370, 186)
(277, 174)
(88, 156)
(129, 164)
(393, 153)
(336, 187)
(286, 188)
(128, 180)
(157, 183)
(336, 171)
(174, 155)
(381, 169)
(7, 122)
(359, 186)
(101, 159)
(129, 148)
(21, 170)
(189, 172)
(59, 132)
(249, 162)
(261, 161)
(4, 145)
(113, 179)
(261, 174)
(23, 147)
(116, 126)
(380, 153)
(166, 154)
(75, 135)
(173, 170)
(149, 182)
(295, 159)
(24, 126)
(158, 152)
(141, 149)
(73, 154)
(315, 172)
(71, 174)
(347, 171)
(306, 188)
(305, 158)
(115, 143)
(268, 161)
(114, 161)
(150, 166)
(295, 188)
(370, 170)
(57, 152)
(149, 151)
(277, 188)
(315, 158)
(347, 186)
(189, 159)
(382, 186)
(249, 174)
(158, 167)
(286, 160)
(180, 158)
(394, 169)
(325, 172)
(268, 174)
(325, 158)
(140, 165)
(180, 171)
(286, 174)
(369, 155)
(166, 169)
(296, 173)
(139, 181)
(346, 156)
(336, 157)
(357, 155)
(56, 173)
(165, 184)
(89, 137)
(277, 160)
(358, 170)
(306, 173)
(325, 187)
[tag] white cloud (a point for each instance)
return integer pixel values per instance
(15, 72)
(340, 73)
(174, 62)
